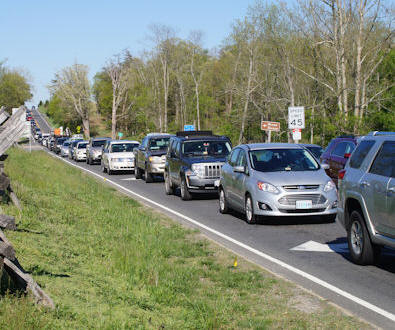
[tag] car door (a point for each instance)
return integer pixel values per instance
(230, 177)
(141, 153)
(239, 180)
(374, 189)
(172, 160)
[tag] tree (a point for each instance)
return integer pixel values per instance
(72, 86)
(118, 71)
(14, 88)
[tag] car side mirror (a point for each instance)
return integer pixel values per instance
(239, 169)
(325, 166)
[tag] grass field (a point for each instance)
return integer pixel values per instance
(109, 262)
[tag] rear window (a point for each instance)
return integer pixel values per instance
(98, 143)
(360, 153)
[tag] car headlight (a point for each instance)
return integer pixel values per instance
(329, 186)
(198, 169)
(267, 187)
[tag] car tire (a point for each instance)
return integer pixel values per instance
(362, 250)
(168, 185)
(251, 217)
(185, 194)
(223, 203)
(148, 176)
(137, 173)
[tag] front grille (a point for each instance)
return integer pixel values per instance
(291, 199)
(301, 187)
(302, 211)
(212, 171)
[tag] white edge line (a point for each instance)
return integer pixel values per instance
(278, 262)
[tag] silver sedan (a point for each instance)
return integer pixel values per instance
(276, 179)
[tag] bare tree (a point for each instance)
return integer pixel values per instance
(72, 86)
(118, 71)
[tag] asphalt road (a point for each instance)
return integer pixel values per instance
(319, 263)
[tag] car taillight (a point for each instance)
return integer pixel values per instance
(347, 155)
(341, 174)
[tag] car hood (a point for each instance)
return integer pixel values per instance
(121, 154)
(283, 178)
(156, 152)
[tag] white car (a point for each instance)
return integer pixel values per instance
(118, 156)
(80, 151)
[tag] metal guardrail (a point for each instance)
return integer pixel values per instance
(12, 129)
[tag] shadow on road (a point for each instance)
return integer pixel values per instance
(386, 261)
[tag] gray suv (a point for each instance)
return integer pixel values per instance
(367, 197)
(276, 179)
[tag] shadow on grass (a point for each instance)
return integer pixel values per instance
(24, 230)
(37, 270)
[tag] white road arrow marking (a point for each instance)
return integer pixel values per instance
(312, 246)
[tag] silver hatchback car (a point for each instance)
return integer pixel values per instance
(276, 179)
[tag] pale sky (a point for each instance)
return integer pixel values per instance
(41, 37)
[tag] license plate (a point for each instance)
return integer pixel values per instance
(307, 204)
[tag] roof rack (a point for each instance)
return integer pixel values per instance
(194, 133)
(378, 133)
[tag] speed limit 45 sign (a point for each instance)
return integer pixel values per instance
(296, 117)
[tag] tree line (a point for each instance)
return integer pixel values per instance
(334, 57)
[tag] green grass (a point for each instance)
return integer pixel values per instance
(109, 262)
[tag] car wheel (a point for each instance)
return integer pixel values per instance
(362, 250)
(148, 176)
(137, 173)
(251, 217)
(223, 203)
(168, 186)
(185, 194)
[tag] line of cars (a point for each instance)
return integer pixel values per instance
(268, 180)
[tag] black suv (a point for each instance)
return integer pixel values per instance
(150, 156)
(193, 162)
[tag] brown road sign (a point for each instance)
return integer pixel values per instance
(270, 126)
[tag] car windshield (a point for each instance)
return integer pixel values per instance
(206, 148)
(275, 160)
(316, 151)
(82, 145)
(123, 147)
(159, 143)
(66, 144)
(98, 143)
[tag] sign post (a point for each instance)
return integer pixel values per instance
(296, 122)
(270, 126)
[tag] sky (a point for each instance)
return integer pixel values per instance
(41, 37)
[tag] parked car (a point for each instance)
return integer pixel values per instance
(315, 149)
(194, 161)
(72, 148)
(79, 153)
(118, 156)
(367, 197)
(337, 153)
(94, 149)
(150, 156)
(64, 150)
(276, 179)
